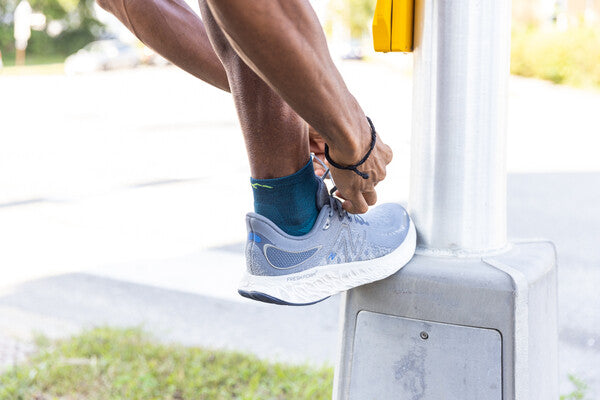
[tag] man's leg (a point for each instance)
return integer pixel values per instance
(175, 32)
(334, 255)
(181, 38)
(283, 179)
(283, 42)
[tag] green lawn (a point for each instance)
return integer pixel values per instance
(31, 60)
(116, 364)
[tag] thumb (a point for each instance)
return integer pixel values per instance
(356, 204)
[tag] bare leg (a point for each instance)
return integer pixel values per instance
(302, 73)
(283, 42)
(174, 31)
(276, 137)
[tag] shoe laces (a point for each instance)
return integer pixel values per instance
(335, 205)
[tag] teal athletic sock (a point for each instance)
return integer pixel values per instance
(290, 201)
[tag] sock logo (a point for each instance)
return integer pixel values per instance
(257, 185)
(282, 259)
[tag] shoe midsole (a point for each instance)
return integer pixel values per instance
(305, 286)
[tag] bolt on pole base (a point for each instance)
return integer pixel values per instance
(454, 329)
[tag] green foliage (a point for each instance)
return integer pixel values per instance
(580, 390)
(357, 15)
(115, 364)
(51, 8)
(111, 364)
(571, 57)
(6, 38)
(77, 16)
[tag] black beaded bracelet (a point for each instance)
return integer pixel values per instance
(362, 161)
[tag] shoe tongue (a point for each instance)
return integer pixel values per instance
(322, 195)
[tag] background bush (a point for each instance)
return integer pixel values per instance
(355, 15)
(570, 57)
(77, 17)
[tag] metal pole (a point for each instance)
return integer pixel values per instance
(461, 69)
(479, 322)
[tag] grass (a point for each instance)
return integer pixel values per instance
(566, 57)
(580, 391)
(107, 363)
(33, 60)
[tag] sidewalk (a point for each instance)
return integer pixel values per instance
(128, 209)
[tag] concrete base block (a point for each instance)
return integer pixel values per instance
(454, 329)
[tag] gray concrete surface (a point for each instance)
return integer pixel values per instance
(119, 206)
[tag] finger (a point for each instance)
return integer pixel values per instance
(378, 177)
(318, 169)
(356, 204)
(339, 194)
(385, 152)
(320, 156)
(390, 155)
(317, 148)
(314, 136)
(315, 142)
(370, 197)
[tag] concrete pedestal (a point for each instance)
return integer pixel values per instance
(454, 329)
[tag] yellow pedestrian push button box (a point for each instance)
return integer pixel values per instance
(393, 25)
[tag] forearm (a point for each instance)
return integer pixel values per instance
(283, 42)
(175, 32)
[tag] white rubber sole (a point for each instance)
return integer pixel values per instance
(318, 283)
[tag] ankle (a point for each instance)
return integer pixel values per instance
(289, 202)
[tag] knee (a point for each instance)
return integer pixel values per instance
(225, 52)
(120, 8)
(218, 39)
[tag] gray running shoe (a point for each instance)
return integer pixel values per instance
(342, 251)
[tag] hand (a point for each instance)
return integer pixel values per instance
(357, 192)
(317, 146)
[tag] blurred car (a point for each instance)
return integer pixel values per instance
(102, 55)
(354, 50)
